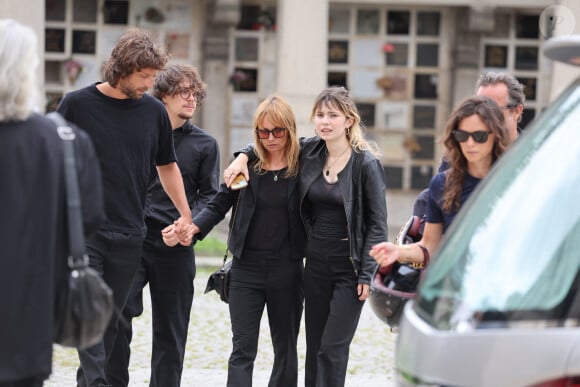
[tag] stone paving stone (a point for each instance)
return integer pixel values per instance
(209, 346)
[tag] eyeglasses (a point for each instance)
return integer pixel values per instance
(510, 106)
(276, 132)
(461, 136)
(186, 93)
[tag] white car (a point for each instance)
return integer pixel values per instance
(500, 303)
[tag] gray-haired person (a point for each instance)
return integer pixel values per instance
(33, 226)
(508, 93)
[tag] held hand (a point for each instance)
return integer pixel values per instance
(239, 165)
(363, 291)
(185, 234)
(385, 253)
(169, 236)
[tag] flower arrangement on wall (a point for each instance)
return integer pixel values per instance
(73, 69)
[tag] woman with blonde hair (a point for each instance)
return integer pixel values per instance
(267, 242)
(343, 208)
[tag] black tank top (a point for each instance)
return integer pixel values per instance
(328, 214)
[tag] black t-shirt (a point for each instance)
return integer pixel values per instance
(130, 137)
(269, 229)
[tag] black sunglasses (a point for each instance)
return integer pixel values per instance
(276, 132)
(461, 136)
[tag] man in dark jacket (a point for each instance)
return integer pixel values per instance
(33, 226)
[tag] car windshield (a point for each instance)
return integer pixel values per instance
(513, 253)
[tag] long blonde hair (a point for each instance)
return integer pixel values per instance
(339, 98)
(281, 115)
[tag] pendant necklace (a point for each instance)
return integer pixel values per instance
(327, 173)
(275, 173)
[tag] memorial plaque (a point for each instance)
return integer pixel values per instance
(85, 11)
(116, 12)
(495, 56)
(54, 40)
(84, 42)
(367, 22)
(337, 78)
(337, 51)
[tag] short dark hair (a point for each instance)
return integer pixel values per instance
(134, 51)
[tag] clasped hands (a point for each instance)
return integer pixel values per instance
(181, 231)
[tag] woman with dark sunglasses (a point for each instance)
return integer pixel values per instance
(343, 208)
(267, 241)
(475, 136)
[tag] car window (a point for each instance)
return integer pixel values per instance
(513, 253)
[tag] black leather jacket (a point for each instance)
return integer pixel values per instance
(244, 205)
(362, 184)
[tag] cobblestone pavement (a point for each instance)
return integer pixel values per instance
(209, 345)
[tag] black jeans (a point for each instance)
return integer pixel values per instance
(170, 272)
(332, 311)
(257, 281)
(116, 257)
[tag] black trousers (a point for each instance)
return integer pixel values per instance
(332, 311)
(170, 272)
(256, 281)
(35, 381)
(116, 256)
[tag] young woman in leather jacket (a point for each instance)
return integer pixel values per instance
(267, 241)
(343, 208)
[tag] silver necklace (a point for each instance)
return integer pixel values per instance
(327, 173)
(275, 173)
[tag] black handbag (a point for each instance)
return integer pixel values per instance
(86, 307)
(219, 280)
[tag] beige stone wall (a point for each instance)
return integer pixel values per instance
(563, 74)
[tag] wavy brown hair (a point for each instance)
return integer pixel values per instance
(281, 115)
(167, 82)
(339, 98)
(492, 115)
(134, 51)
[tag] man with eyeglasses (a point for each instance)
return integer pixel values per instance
(170, 271)
(508, 93)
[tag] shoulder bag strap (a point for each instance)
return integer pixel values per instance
(77, 258)
(235, 211)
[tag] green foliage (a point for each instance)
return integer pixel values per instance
(210, 247)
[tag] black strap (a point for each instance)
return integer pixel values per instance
(77, 258)
(235, 211)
